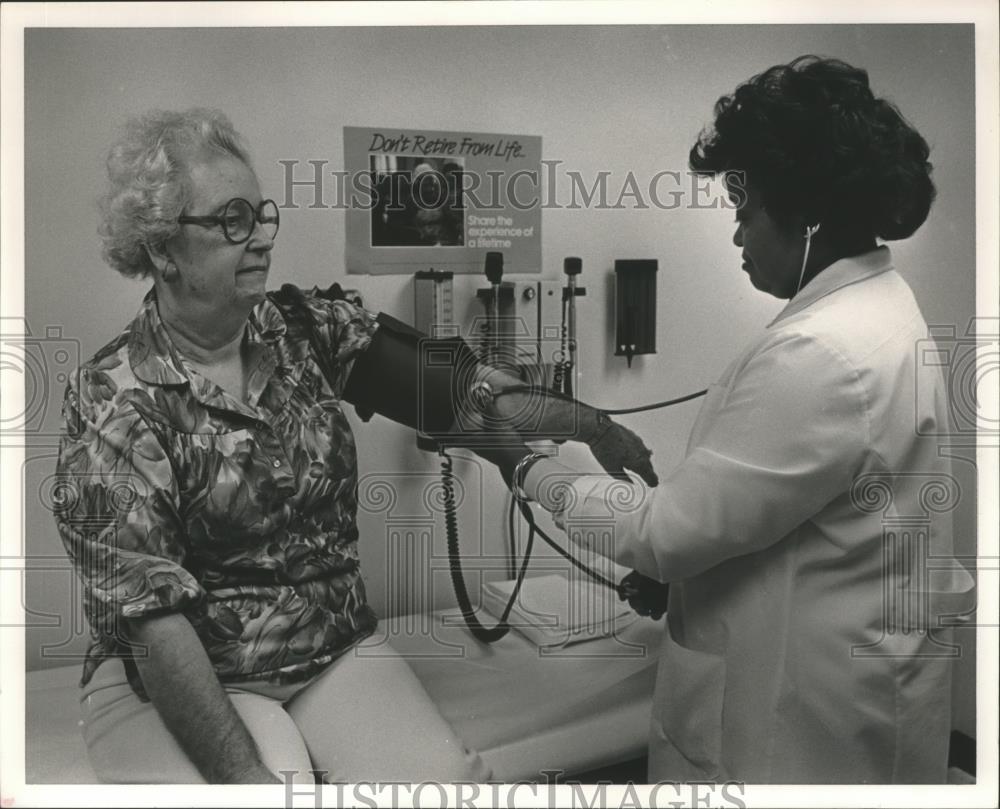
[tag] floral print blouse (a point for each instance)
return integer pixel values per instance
(242, 516)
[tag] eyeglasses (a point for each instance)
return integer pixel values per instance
(238, 219)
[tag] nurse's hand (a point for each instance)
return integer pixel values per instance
(617, 448)
(646, 596)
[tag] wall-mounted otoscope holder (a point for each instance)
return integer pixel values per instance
(635, 307)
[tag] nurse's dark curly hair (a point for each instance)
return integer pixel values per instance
(814, 141)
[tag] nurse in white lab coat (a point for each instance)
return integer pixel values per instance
(806, 534)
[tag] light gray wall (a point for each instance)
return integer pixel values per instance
(617, 99)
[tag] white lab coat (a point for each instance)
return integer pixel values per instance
(807, 533)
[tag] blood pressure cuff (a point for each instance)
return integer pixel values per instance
(415, 380)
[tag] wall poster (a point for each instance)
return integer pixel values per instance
(425, 199)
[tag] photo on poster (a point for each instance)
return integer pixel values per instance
(417, 201)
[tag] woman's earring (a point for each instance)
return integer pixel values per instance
(169, 271)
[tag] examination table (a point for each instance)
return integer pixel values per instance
(527, 709)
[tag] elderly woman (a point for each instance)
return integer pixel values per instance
(798, 646)
(213, 481)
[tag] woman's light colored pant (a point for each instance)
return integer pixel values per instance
(365, 718)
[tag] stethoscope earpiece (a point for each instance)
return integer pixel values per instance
(810, 232)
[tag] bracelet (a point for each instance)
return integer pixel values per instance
(520, 472)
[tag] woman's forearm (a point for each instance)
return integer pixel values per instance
(183, 686)
(615, 447)
(549, 417)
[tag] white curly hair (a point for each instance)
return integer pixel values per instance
(149, 182)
